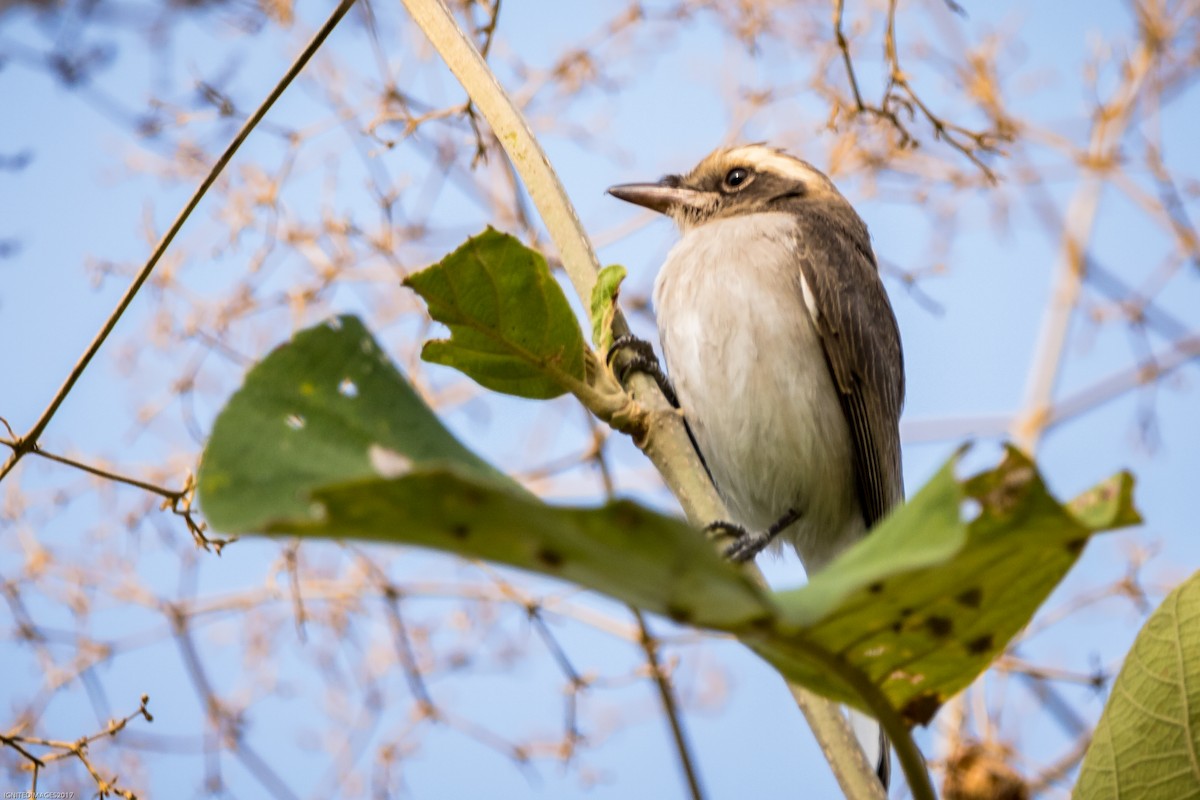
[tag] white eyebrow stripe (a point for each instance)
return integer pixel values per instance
(765, 159)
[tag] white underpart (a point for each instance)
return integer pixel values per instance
(736, 321)
(748, 367)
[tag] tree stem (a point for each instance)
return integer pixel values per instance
(665, 441)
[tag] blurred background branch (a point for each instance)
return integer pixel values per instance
(281, 669)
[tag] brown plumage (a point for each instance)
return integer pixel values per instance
(783, 352)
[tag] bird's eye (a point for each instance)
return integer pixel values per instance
(736, 177)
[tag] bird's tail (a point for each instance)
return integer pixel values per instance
(874, 743)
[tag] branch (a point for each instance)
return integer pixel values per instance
(78, 748)
(968, 142)
(664, 439)
(666, 694)
(179, 501)
(1081, 212)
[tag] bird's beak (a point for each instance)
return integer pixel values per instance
(661, 197)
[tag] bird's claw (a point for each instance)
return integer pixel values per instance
(641, 359)
(748, 547)
(746, 544)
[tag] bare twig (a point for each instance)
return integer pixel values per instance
(666, 694)
(892, 106)
(76, 749)
(29, 441)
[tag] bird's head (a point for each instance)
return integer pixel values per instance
(733, 181)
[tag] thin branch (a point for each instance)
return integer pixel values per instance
(28, 442)
(99, 472)
(1106, 389)
(968, 142)
(1081, 214)
(576, 681)
(179, 501)
(666, 694)
(1173, 207)
(839, 7)
(76, 749)
(950, 133)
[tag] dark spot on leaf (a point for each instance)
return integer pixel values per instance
(460, 530)
(921, 708)
(679, 614)
(897, 626)
(971, 598)
(626, 516)
(550, 558)
(977, 647)
(1075, 546)
(472, 496)
(906, 612)
(939, 626)
(876, 587)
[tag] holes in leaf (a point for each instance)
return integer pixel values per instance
(295, 421)
(348, 388)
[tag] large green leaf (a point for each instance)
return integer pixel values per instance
(927, 601)
(1147, 745)
(620, 548)
(511, 328)
(326, 438)
(917, 609)
(327, 407)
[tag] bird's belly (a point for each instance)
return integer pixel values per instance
(753, 383)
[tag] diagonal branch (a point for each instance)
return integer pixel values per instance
(666, 694)
(28, 442)
(667, 442)
(1071, 270)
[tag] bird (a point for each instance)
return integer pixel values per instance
(783, 354)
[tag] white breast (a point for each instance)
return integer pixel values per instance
(750, 373)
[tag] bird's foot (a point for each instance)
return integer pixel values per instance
(641, 359)
(749, 544)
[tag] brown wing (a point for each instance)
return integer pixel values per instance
(862, 347)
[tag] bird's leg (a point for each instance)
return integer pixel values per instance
(641, 359)
(748, 544)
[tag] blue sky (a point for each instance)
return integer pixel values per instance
(87, 198)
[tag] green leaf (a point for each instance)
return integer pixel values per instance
(652, 561)
(1147, 744)
(604, 305)
(511, 328)
(326, 439)
(327, 407)
(926, 602)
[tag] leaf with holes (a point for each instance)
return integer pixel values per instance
(327, 407)
(1147, 744)
(511, 328)
(925, 603)
(326, 438)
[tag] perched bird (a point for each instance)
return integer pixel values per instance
(783, 353)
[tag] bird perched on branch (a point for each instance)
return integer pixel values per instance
(782, 352)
